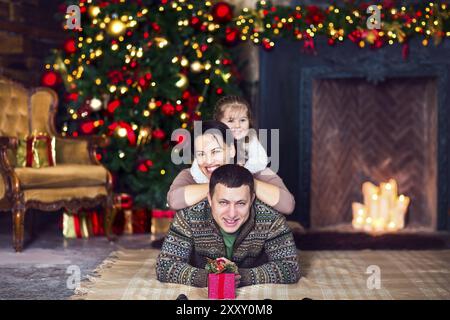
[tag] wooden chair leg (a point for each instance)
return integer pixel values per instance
(18, 216)
(110, 214)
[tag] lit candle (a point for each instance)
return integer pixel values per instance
(385, 199)
(402, 207)
(359, 215)
(374, 206)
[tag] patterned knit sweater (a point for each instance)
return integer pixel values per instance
(264, 250)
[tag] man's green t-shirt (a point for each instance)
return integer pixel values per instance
(229, 239)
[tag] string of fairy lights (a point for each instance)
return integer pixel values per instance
(210, 23)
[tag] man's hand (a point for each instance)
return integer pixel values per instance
(237, 277)
(237, 280)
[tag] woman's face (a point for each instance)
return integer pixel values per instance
(237, 120)
(211, 152)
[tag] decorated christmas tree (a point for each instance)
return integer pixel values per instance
(137, 70)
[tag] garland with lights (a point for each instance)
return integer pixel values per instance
(139, 69)
(267, 22)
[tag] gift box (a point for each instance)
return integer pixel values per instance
(36, 151)
(82, 224)
(221, 286)
(161, 220)
(129, 219)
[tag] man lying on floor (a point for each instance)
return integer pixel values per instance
(233, 225)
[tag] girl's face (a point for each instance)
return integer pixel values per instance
(212, 152)
(237, 120)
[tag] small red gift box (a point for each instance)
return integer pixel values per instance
(221, 286)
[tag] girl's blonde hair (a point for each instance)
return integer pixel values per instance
(234, 102)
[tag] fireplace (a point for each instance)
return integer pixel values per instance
(373, 132)
(348, 116)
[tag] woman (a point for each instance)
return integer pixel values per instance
(211, 150)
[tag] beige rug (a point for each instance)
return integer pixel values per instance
(130, 274)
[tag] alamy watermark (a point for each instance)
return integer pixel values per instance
(374, 280)
(73, 17)
(74, 280)
(182, 152)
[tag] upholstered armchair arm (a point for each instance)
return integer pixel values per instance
(8, 143)
(8, 178)
(80, 150)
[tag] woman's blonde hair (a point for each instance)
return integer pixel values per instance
(232, 102)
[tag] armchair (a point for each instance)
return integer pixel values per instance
(76, 181)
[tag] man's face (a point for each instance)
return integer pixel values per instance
(230, 207)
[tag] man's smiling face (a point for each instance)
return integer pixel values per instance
(230, 207)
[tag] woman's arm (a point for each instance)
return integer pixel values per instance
(267, 192)
(270, 189)
(194, 193)
(184, 192)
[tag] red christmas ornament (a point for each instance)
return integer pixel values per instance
(195, 22)
(113, 105)
(122, 124)
(136, 99)
(231, 35)
(222, 12)
(266, 44)
(149, 163)
(142, 82)
(158, 134)
(331, 41)
(115, 76)
(142, 168)
(156, 27)
(88, 127)
(70, 46)
(219, 91)
(72, 96)
(50, 79)
(314, 15)
(168, 109)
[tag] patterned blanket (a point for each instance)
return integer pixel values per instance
(367, 274)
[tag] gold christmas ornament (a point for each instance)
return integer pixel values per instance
(116, 28)
(161, 42)
(183, 82)
(152, 104)
(145, 134)
(93, 11)
(184, 62)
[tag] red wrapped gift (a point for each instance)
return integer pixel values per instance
(140, 221)
(82, 224)
(221, 286)
(129, 219)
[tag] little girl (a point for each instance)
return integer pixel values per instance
(235, 112)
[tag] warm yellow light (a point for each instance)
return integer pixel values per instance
(122, 132)
(116, 27)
